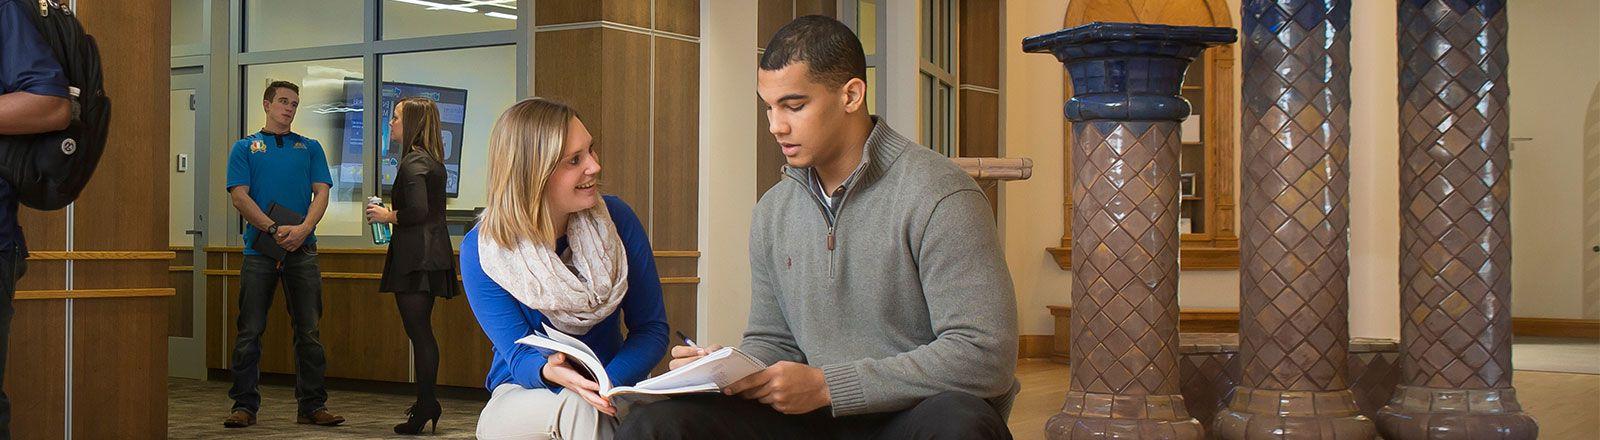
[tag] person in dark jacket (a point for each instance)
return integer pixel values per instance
(420, 264)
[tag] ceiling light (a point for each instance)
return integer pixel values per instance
(436, 5)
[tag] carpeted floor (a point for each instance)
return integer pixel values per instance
(196, 410)
(1561, 355)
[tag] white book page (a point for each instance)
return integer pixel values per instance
(707, 374)
(575, 350)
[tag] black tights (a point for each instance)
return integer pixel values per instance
(416, 310)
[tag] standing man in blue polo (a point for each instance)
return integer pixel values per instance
(33, 99)
(275, 165)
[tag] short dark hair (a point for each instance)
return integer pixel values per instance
(272, 89)
(828, 47)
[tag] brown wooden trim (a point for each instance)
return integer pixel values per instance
(101, 255)
(677, 254)
(1034, 346)
(180, 268)
(1189, 258)
(1556, 327)
(680, 280)
(94, 293)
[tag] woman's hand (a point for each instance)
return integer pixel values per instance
(379, 214)
(557, 370)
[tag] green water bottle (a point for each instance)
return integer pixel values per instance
(380, 230)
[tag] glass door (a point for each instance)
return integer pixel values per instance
(187, 177)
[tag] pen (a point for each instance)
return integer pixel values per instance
(686, 339)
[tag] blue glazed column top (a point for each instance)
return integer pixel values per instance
(1127, 71)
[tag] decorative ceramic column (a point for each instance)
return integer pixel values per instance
(1125, 113)
(1294, 266)
(1455, 230)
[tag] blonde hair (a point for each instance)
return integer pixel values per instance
(524, 148)
(419, 127)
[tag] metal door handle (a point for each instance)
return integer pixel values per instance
(194, 232)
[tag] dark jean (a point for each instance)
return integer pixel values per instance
(302, 286)
(949, 415)
(12, 266)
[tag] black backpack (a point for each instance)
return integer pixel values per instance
(48, 170)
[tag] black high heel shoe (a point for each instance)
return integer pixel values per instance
(418, 416)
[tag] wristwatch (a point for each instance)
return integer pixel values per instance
(272, 230)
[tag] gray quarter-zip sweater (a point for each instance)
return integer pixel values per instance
(899, 295)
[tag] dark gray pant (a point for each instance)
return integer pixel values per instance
(302, 288)
(12, 266)
(950, 415)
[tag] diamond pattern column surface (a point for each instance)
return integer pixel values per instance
(1455, 230)
(1124, 325)
(1294, 266)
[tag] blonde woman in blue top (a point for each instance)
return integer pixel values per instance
(549, 249)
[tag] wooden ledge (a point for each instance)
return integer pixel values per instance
(1189, 258)
(101, 255)
(94, 293)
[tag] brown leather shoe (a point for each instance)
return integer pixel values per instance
(239, 419)
(320, 417)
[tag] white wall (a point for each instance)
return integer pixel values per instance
(727, 166)
(1555, 66)
(1374, 171)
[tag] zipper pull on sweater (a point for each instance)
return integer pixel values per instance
(830, 238)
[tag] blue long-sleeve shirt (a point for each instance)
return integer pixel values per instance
(505, 320)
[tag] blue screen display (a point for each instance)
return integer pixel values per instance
(452, 104)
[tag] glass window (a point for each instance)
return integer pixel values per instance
(294, 24)
(188, 27)
(867, 26)
(937, 93)
(425, 18)
(330, 112)
(469, 102)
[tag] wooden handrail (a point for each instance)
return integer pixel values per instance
(95, 293)
(101, 255)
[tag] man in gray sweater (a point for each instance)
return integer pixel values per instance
(880, 300)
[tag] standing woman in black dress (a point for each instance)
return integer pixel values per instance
(420, 264)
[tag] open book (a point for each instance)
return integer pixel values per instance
(708, 374)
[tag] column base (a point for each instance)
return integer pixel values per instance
(1256, 413)
(1112, 416)
(1453, 413)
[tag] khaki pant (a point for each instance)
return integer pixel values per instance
(515, 412)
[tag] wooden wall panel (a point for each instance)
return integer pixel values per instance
(980, 124)
(180, 308)
(771, 15)
(980, 43)
(769, 156)
(464, 352)
(980, 134)
(123, 274)
(219, 339)
(36, 369)
(130, 34)
(44, 275)
(677, 267)
(362, 333)
(815, 7)
(119, 374)
(603, 73)
(677, 146)
(633, 12)
(678, 17)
